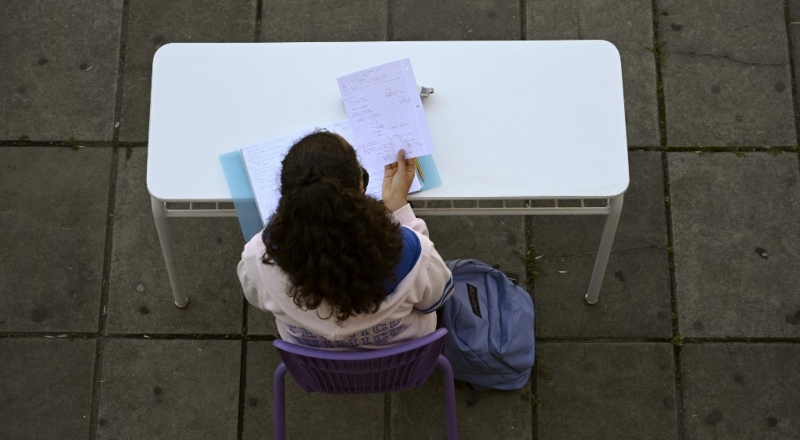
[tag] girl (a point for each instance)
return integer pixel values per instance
(337, 268)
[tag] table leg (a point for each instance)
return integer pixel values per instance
(600, 263)
(164, 236)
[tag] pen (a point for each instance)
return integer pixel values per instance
(419, 170)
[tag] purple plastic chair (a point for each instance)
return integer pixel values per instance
(396, 368)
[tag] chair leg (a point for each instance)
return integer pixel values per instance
(449, 397)
(279, 402)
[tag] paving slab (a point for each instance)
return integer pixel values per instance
(455, 20)
(606, 391)
(642, 223)
(491, 239)
(740, 391)
(419, 413)
(46, 388)
(634, 300)
(154, 23)
(324, 20)
(308, 415)
(727, 80)
(207, 251)
(628, 25)
(176, 389)
(260, 322)
(635, 296)
(736, 275)
(60, 61)
(794, 35)
(53, 210)
(794, 12)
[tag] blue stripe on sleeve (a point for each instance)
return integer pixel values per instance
(448, 287)
(412, 249)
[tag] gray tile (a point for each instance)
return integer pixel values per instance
(207, 251)
(794, 35)
(628, 25)
(260, 322)
(46, 388)
(634, 301)
(724, 207)
(720, 25)
(643, 219)
(635, 297)
(53, 210)
(262, 360)
(642, 223)
(153, 23)
(60, 62)
(491, 239)
(169, 389)
(794, 11)
(606, 391)
(419, 413)
(324, 20)
(727, 79)
(455, 20)
(740, 391)
(308, 415)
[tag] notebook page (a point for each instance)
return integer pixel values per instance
(385, 110)
(263, 164)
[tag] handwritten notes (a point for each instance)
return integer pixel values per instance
(385, 110)
(385, 115)
(263, 164)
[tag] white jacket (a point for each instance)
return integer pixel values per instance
(406, 313)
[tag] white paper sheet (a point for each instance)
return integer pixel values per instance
(385, 110)
(263, 164)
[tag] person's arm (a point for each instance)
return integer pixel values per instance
(247, 271)
(397, 179)
(438, 281)
(434, 284)
(406, 217)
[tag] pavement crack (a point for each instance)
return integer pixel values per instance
(614, 251)
(727, 57)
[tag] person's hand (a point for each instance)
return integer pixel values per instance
(397, 179)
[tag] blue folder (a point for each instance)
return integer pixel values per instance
(243, 199)
(245, 203)
(429, 170)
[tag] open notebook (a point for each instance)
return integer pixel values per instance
(385, 114)
(262, 162)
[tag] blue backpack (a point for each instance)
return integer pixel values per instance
(489, 319)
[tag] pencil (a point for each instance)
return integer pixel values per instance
(419, 170)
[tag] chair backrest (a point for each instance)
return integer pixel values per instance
(395, 368)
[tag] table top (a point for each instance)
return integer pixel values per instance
(509, 119)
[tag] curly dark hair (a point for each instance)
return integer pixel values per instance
(336, 244)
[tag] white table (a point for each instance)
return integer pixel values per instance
(511, 120)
